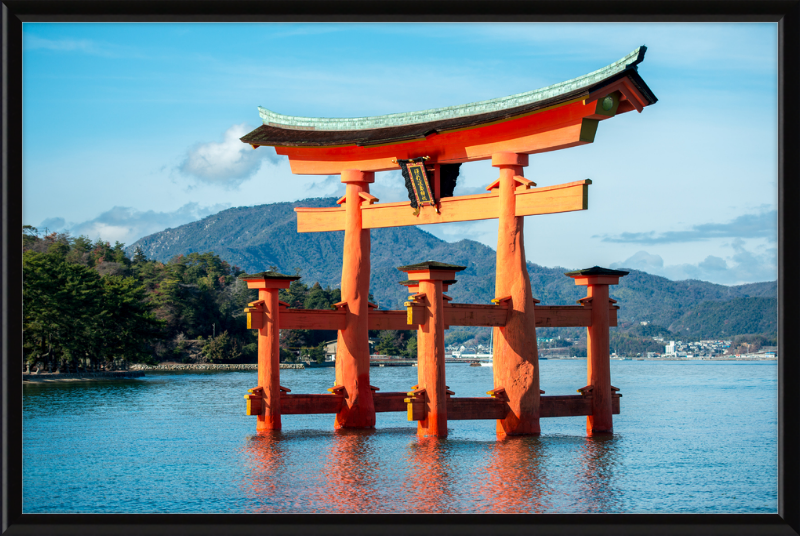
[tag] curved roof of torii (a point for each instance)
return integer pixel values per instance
(293, 131)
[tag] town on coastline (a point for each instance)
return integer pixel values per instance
(673, 350)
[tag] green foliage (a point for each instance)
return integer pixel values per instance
(250, 352)
(100, 306)
(411, 347)
(72, 314)
(393, 343)
(626, 344)
(286, 355)
(560, 343)
(222, 348)
(314, 353)
(745, 344)
(739, 316)
(458, 336)
(650, 330)
(577, 351)
(300, 296)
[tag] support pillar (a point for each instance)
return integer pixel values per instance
(352, 349)
(263, 315)
(598, 360)
(430, 342)
(515, 356)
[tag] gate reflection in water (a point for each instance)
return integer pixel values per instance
(429, 475)
(135, 447)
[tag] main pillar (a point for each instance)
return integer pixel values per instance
(431, 277)
(264, 316)
(515, 357)
(352, 349)
(598, 360)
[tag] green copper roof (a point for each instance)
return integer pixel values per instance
(408, 282)
(431, 265)
(436, 114)
(596, 270)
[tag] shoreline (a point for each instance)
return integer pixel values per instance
(138, 371)
(50, 377)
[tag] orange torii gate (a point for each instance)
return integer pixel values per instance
(437, 141)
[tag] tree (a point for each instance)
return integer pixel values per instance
(392, 342)
(72, 314)
(315, 353)
(411, 347)
(138, 256)
(221, 348)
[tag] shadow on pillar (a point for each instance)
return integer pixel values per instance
(516, 362)
(352, 350)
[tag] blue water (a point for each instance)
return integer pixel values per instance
(692, 437)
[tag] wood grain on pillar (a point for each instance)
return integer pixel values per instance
(352, 350)
(516, 359)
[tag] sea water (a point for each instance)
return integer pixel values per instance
(696, 436)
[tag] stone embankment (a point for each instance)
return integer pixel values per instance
(209, 366)
(77, 376)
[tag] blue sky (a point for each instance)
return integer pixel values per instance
(132, 128)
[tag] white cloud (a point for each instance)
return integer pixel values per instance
(761, 225)
(51, 225)
(84, 46)
(644, 261)
(713, 263)
(330, 186)
(743, 266)
(34, 42)
(228, 163)
(126, 225)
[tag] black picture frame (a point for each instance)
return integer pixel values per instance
(785, 13)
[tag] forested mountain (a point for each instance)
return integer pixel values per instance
(728, 318)
(255, 238)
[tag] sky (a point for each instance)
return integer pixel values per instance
(132, 128)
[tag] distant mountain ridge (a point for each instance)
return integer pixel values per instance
(257, 237)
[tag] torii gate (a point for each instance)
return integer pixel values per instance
(505, 130)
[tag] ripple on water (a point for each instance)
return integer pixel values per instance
(692, 437)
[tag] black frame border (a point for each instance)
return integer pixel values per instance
(786, 13)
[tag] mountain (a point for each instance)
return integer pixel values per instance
(729, 318)
(255, 238)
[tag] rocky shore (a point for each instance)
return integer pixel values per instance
(175, 367)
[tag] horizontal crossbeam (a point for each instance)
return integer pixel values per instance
(389, 320)
(311, 319)
(547, 200)
(455, 314)
(465, 314)
(389, 401)
(309, 404)
(569, 316)
(463, 408)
